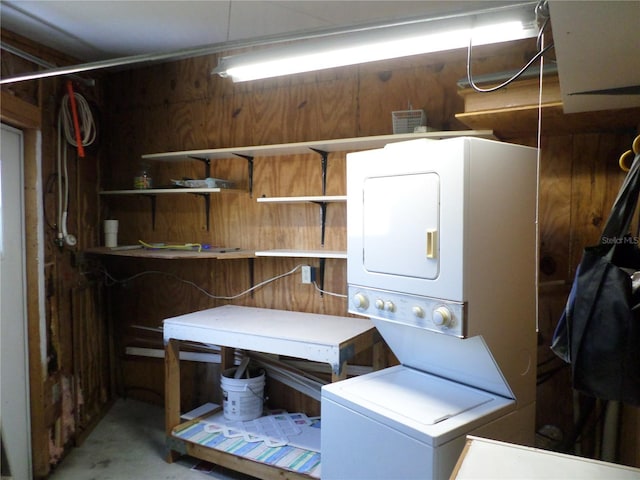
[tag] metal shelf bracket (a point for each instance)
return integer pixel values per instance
(249, 160)
(152, 199)
(324, 156)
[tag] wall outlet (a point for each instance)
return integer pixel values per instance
(308, 274)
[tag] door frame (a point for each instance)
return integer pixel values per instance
(28, 118)
(16, 446)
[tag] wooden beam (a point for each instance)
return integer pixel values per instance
(18, 113)
(34, 272)
(172, 391)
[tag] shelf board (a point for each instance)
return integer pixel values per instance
(217, 254)
(220, 254)
(287, 461)
(302, 253)
(336, 145)
(309, 199)
(162, 191)
(515, 110)
(523, 120)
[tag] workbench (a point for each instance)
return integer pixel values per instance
(315, 337)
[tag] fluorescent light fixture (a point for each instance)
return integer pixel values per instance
(381, 43)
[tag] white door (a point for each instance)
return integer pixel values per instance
(401, 224)
(14, 371)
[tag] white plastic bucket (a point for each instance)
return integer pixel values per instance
(242, 398)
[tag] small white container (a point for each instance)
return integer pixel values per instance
(111, 233)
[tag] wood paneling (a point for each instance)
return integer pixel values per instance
(554, 208)
(180, 106)
(68, 339)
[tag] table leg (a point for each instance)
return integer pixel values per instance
(378, 353)
(172, 391)
(340, 376)
(227, 358)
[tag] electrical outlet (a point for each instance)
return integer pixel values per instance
(307, 274)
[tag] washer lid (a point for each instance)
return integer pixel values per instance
(418, 397)
(467, 361)
(425, 407)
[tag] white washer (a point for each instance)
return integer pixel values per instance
(441, 255)
(415, 421)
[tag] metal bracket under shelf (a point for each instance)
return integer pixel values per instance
(207, 165)
(206, 196)
(323, 220)
(152, 199)
(207, 207)
(249, 160)
(324, 156)
(251, 274)
(321, 275)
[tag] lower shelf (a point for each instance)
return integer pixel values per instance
(253, 458)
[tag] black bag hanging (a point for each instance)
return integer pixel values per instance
(599, 330)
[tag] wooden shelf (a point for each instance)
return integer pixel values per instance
(513, 112)
(310, 199)
(521, 121)
(302, 253)
(163, 191)
(220, 254)
(321, 147)
(248, 466)
(337, 145)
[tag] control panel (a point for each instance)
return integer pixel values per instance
(433, 314)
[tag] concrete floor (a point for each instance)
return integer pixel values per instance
(128, 444)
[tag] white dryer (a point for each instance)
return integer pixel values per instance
(441, 255)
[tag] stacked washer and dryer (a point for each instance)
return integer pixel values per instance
(441, 255)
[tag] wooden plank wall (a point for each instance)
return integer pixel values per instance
(179, 106)
(69, 346)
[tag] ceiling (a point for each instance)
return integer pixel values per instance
(596, 42)
(94, 30)
(597, 46)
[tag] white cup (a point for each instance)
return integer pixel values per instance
(111, 233)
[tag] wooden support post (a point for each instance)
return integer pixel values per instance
(340, 375)
(172, 391)
(227, 358)
(378, 354)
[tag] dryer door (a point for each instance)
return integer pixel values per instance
(398, 239)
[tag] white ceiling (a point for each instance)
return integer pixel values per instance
(596, 42)
(597, 45)
(94, 30)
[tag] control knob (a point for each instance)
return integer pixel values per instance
(360, 301)
(418, 311)
(442, 317)
(380, 304)
(389, 306)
